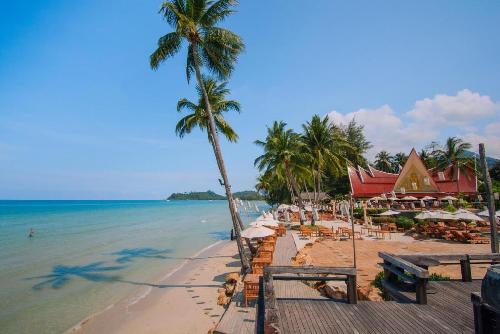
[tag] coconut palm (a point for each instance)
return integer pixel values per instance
(198, 118)
(383, 161)
(324, 148)
(283, 154)
(194, 24)
(399, 160)
(453, 154)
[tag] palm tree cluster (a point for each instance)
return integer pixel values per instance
(213, 49)
(293, 162)
(453, 153)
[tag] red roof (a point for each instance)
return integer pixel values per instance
(373, 182)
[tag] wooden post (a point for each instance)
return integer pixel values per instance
(478, 317)
(352, 293)
(261, 308)
(421, 291)
(271, 316)
(490, 199)
(465, 268)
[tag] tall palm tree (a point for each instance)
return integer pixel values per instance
(194, 24)
(383, 161)
(323, 147)
(283, 154)
(453, 154)
(198, 118)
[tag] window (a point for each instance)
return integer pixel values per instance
(403, 190)
(414, 185)
(441, 176)
(427, 182)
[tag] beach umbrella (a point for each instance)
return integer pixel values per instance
(308, 208)
(283, 207)
(486, 213)
(294, 208)
(256, 232)
(428, 198)
(425, 215)
(449, 198)
(389, 213)
(377, 198)
(265, 217)
(409, 198)
(445, 215)
(393, 198)
(269, 223)
(466, 215)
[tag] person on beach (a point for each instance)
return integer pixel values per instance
(31, 234)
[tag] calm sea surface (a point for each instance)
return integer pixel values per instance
(87, 255)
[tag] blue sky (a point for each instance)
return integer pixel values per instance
(82, 115)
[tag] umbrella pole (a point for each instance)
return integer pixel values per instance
(351, 214)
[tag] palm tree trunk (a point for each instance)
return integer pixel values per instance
(295, 188)
(237, 224)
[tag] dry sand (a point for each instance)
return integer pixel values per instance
(339, 253)
(184, 302)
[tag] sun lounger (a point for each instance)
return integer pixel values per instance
(251, 287)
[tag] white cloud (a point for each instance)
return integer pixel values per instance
(464, 113)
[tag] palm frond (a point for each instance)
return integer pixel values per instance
(168, 45)
(217, 12)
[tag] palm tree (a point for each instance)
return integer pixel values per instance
(399, 160)
(194, 23)
(383, 161)
(283, 154)
(198, 118)
(453, 154)
(323, 147)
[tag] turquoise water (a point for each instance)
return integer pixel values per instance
(86, 255)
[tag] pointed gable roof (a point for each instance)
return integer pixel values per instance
(414, 177)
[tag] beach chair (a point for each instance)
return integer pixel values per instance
(251, 288)
(475, 238)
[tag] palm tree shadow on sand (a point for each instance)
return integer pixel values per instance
(62, 275)
(131, 254)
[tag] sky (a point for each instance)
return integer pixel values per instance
(82, 116)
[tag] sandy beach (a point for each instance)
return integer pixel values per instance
(184, 301)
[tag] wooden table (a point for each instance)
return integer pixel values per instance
(383, 233)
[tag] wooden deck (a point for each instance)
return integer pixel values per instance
(241, 319)
(449, 310)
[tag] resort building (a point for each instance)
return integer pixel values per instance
(414, 179)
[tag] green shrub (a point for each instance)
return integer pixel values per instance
(383, 220)
(377, 282)
(450, 208)
(438, 277)
(405, 222)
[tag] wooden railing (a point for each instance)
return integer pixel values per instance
(267, 309)
(413, 269)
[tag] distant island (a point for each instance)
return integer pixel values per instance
(248, 195)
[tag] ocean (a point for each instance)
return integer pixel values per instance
(87, 255)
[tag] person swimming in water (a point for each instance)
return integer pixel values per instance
(31, 234)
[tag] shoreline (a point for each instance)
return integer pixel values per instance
(141, 305)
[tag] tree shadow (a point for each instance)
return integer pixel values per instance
(62, 275)
(130, 254)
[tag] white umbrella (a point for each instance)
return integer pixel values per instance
(440, 214)
(409, 198)
(393, 198)
(270, 223)
(294, 208)
(256, 232)
(448, 198)
(265, 218)
(466, 215)
(425, 215)
(486, 213)
(377, 198)
(389, 213)
(428, 198)
(308, 208)
(283, 207)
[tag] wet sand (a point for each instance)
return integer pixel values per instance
(184, 301)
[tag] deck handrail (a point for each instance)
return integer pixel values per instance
(268, 311)
(404, 264)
